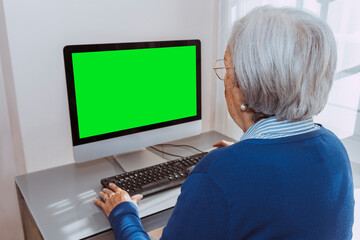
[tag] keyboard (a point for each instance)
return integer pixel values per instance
(156, 178)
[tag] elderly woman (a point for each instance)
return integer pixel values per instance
(287, 178)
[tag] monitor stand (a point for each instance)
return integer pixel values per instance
(139, 159)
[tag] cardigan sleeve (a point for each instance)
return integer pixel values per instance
(201, 212)
(125, 222)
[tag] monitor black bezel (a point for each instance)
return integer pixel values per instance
(68, 50)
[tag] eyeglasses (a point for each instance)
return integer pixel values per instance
(220, 69)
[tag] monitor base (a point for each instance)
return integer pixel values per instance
(139, 159)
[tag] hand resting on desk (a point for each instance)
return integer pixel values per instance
(111, 198)
(222, 143)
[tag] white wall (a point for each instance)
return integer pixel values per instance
(37, 32)
(10, 224)
(11, 154)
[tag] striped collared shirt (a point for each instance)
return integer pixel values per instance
(270, 128)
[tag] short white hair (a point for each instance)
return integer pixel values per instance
(284, 60)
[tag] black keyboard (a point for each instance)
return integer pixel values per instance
(156, 178)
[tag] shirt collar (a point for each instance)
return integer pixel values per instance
(271, 127)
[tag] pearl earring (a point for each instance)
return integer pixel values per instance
(243, 107)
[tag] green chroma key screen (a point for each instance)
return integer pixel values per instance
(124, 89)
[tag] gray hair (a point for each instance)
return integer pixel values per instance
(285, 61)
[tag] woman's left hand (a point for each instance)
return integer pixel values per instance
(111, 198)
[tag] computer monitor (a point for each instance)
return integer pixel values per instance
(127, 96)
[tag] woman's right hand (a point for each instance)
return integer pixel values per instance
(222, 143)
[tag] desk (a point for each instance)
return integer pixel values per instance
(56, 203)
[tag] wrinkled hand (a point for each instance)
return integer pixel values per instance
(111, 198)
(222, 143)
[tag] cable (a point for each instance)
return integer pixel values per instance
(166, 152)
(180, 145)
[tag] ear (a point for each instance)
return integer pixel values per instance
(236, 93)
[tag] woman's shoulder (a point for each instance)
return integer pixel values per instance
(264, 153)
(221, 157)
